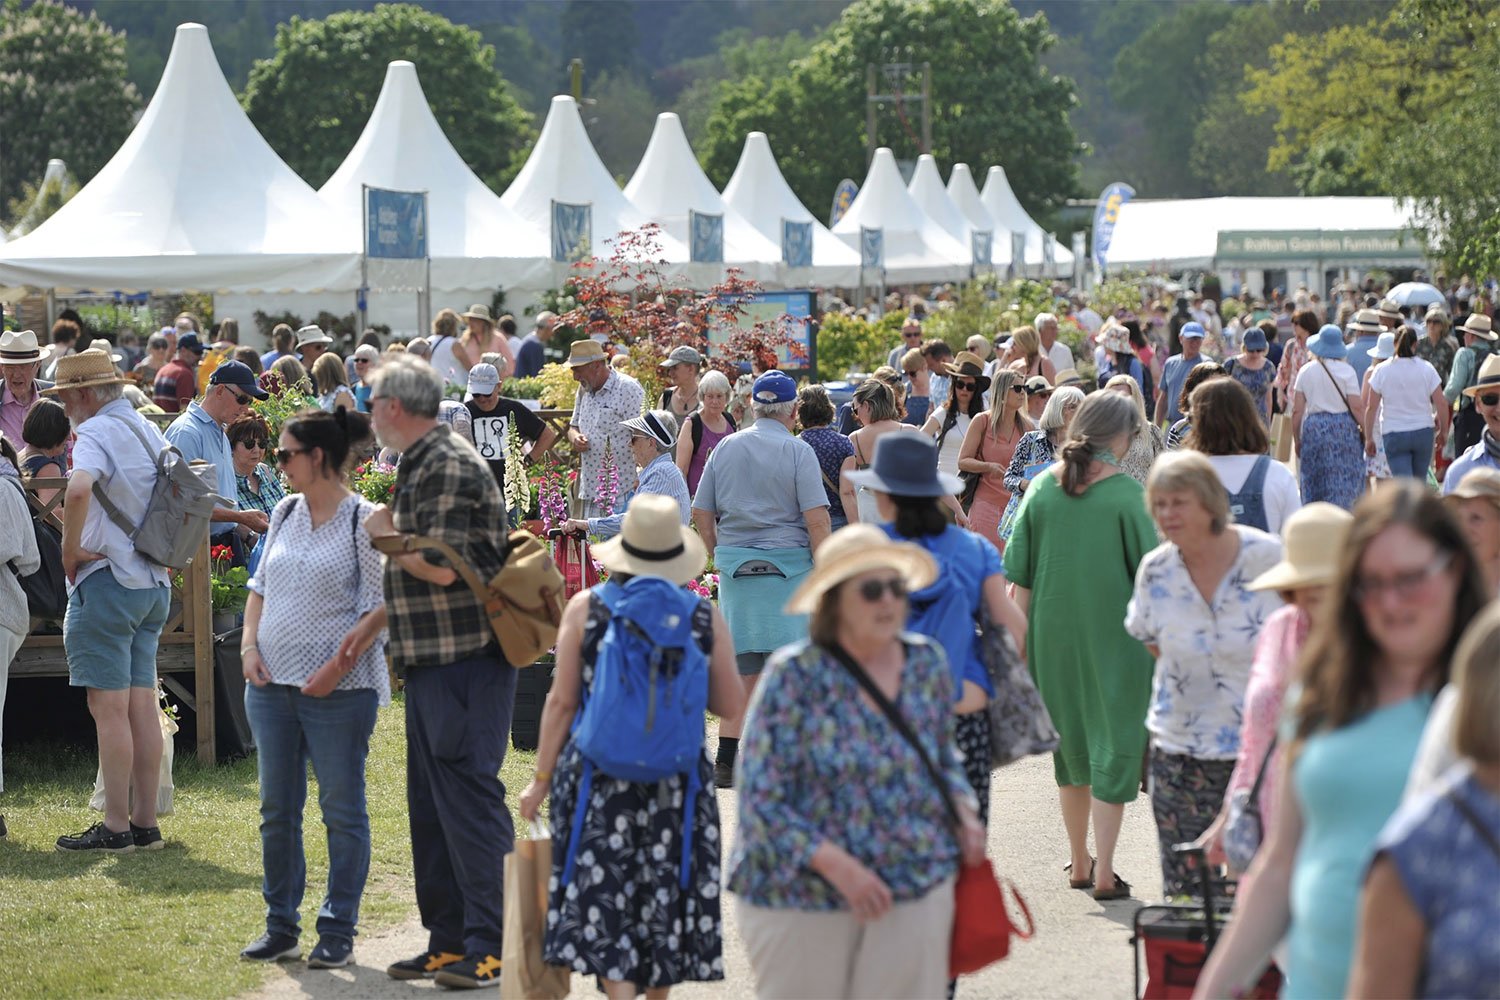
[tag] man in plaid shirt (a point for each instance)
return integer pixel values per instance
(459, 689)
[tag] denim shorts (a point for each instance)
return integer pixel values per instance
(111, 632)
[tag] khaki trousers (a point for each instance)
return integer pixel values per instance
(902, 955)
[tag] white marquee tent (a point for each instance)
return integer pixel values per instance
(1265, 232)
(927, 190)
(564, 167)
(1006, 209)
(916, 249)
(475, 242)
(670, 187)
(194, 200)
(965, 194)
(760, 193)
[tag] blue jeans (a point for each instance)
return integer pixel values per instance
(1409, 452)
(334, 731)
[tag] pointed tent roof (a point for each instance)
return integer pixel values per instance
(563, 166)
(1006, 208)
(668, 184)
(473, 239)
(916, 248)
(926, 189)
(194, 200)
(965, 194)
(760, 193)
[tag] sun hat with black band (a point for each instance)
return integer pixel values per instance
(1480, 326)
(82, 371)
(19, 348)
(310, 334)
(1489, 377)
(653, 424)
(906, 465)
(1366, 321)
(653, 541)
(967, 364)
(857, 549)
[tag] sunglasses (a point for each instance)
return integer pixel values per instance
(284, 455)
(970, 386)
(1018, 388)
(361, 361)
(1490, 399)
(873, 590)
(254, 443)
(910, 335)
(239, 397)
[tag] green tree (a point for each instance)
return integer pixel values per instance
(603, 34)
(739, 56)
(63, 93)
(312, 99)
(620, 120)
(992, 101)
(1417, 120)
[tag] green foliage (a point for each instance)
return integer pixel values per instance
(1417, 120)
(993, 103)
(38, 202)
(523, 388)
(620, 120)
(113, 318)
(281, 405)
(375, 482)
(851, 345)
(63, 93)
(976, 310)
(312, 98)
(740, 56)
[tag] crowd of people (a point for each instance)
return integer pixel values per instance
(1242, 642)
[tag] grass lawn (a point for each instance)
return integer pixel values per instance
(171, 923)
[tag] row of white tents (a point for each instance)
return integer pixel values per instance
(197, 200)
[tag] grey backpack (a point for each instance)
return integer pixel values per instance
(178, 511)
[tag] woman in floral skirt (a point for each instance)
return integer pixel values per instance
(1330, 454)
(625, 915)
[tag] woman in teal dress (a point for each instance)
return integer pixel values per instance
(1407, 587)
(1079, 535)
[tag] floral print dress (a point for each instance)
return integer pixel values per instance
(625, 916)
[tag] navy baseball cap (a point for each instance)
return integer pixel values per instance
(774, 387)
(239, 375)
(190, 342)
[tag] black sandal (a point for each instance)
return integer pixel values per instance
(1120, 891)
(1081, 883)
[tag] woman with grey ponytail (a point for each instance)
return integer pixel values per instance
(1081, 531)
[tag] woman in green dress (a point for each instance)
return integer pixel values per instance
(1079, 534)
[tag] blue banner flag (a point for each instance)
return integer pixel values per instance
(871, 247)
(981, 246)
(706, 245)
(797, 243)
(1106, 214)
(571, 229)
(395, 224)
(843, 197)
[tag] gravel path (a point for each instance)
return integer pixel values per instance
(1081, 948)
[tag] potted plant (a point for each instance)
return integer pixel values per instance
(228, 589)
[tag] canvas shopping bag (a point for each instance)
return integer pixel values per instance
(164, 787)
(527, 871)
(577, 564)
(1281, 437)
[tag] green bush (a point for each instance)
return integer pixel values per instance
(850, 344)
(523, 388)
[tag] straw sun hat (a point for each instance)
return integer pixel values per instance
(653, 541)
(1314, 538)
(858, 549)
(82, 370)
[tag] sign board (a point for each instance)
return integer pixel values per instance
(395, 224)
(843, 197)
(706, 238)
(572, 226)
(796, 243)
(789, 312)
(1361, 247)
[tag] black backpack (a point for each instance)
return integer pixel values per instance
(46, 590)
(696, 420)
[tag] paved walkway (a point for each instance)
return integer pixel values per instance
(1081, 948)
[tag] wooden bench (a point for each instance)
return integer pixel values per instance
(187, 641)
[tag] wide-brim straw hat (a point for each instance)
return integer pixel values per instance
(586, 352)
(1478, 484)
(967, 364)
(1314, 539)
(103, 345)
(82, 370)
(479, 312)
(856, 549)
(310, 334)
(1479, 324)
(1366, 321)
(1489, 377)
(19, 348)
(653, 541)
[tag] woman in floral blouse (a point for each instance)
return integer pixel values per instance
(845, 858)
(1195, 611)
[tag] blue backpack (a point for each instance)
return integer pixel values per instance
(642, 718)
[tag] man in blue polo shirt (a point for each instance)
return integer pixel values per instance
(199, 434)
(1175, 372)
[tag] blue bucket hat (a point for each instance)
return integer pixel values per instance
(774, 387)
(906, 465)
(1255, 339)
(1328, 342)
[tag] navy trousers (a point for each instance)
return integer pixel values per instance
(457, 726)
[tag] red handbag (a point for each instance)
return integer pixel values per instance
(982, 927)
(577, 565)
